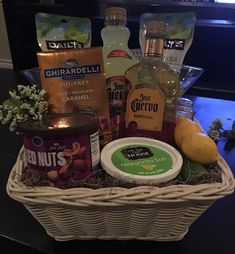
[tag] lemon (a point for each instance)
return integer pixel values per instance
(200, 148)
(183, 128)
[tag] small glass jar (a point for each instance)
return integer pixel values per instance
(185, 108)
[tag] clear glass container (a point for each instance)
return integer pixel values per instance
(185, 108)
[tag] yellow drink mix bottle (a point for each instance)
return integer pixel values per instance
(117, 59)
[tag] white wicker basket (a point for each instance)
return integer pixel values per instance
(143, 213)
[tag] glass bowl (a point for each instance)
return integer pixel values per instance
(188, 76)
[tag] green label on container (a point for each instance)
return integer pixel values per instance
(142, 160)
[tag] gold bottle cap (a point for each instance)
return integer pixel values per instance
(115, 13)
(156, 28)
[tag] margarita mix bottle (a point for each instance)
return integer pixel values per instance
(117, 59)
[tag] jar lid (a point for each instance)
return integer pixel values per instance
(141, 160)
(60, 123)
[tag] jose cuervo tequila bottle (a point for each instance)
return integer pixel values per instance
(151, 103)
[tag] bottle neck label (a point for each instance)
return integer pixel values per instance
(154, 47)
(145, 108)
(119, 53)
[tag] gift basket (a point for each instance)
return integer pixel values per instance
(137, 189)
(143, 213)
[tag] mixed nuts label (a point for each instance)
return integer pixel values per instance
(59, 158)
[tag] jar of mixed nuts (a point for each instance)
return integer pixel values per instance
(60, 150)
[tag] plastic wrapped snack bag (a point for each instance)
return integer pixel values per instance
(56, 32)
(179, 34)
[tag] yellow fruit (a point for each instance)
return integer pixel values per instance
(183, 128)
(199, 147)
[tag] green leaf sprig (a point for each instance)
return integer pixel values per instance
(26, 102)
(216, 130)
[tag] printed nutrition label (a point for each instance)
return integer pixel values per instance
(95, 149)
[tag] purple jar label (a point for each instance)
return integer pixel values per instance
(61, 160)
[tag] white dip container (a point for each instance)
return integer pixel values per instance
(141, 160)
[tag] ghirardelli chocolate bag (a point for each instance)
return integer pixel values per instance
(75, 82)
